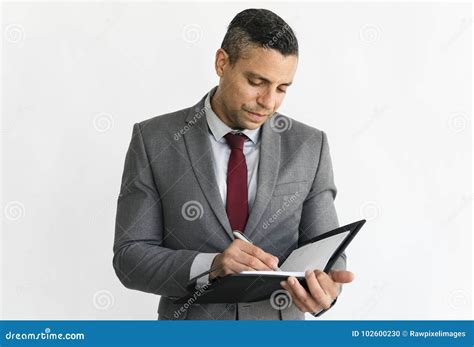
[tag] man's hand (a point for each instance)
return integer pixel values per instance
(323, 289)
(242, 256)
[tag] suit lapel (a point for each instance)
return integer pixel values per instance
(201, 157)
(268, 168)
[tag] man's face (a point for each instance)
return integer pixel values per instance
(253, 88)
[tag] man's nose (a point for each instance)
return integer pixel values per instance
(266, 100)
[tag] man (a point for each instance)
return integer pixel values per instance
(231, 162)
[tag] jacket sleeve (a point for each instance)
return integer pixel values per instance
(319, 213)
(140, 260)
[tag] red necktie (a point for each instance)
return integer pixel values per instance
(237, 192)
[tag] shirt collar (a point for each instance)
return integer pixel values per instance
(219, 128)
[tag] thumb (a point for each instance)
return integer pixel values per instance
(342, 276)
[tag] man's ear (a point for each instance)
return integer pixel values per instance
(222, 60)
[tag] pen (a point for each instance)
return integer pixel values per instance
(244, 238)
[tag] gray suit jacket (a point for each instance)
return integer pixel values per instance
(169, 208)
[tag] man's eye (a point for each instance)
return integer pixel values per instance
(253, 83)
(282, 91)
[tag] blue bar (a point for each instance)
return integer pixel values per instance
(237, 333)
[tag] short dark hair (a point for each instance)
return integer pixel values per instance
(260, 28)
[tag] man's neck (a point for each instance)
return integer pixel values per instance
(218, 110)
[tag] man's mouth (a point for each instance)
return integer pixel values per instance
(257, 114)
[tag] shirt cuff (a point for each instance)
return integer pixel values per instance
(202, 263)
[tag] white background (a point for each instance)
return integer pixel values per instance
(389, 83)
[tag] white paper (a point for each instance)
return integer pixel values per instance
(274, 273)
(314, 255)
(309, 257)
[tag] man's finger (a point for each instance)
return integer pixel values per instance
(269, 260)
(252, 262)
(342, 276)
(317, 292)
(294, 298)
(329, 286)
(302, 295)
(236, 267)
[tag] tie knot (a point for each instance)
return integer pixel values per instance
(236, 141)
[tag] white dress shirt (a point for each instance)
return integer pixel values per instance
(221, 153)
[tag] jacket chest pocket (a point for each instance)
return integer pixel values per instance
(290, 188)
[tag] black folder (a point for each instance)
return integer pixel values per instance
(251, 286)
